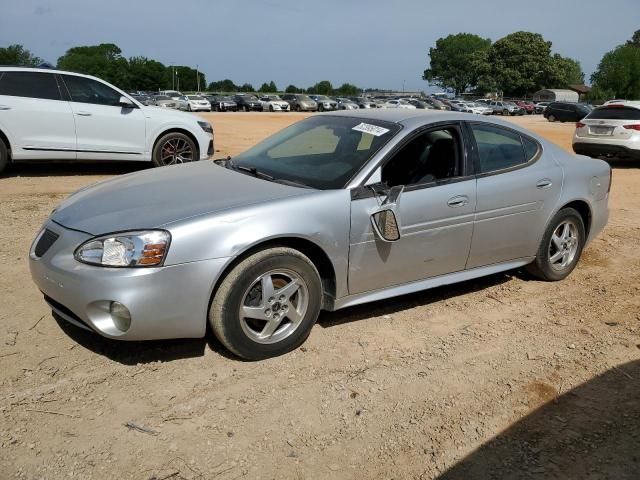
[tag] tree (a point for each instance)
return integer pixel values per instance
(564, 71)
(291, 89)
(268, 87)
(323, 87)
(186, 78)
(635, 39)
(347, 90)
(18, 55)
(223, 86)
(451, 58)
(104, 61)
(518, 64)
(146, 74)
(618, 74)
(246, 87)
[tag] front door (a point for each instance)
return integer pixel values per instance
(104, 129)
(435, 214)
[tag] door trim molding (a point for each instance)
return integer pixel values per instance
(39, 149)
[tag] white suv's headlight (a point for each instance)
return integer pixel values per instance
(126, 249)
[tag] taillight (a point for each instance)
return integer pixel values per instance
(632, 127)
(580, 125)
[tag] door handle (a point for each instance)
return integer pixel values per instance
(5, 107)
(84, 114)
(544, 183)
(459, 201)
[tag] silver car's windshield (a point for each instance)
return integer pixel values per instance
(322, 152)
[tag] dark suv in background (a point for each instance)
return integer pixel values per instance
(248, 103)
(566, 112)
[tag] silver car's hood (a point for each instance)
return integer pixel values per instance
(153, 198)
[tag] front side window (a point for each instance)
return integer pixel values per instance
(432, 156)
(322, 152)
(30, 84)
(499, 148)
(86, 90)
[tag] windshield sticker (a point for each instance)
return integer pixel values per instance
(371, 129)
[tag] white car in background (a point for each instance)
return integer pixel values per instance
(54, 115)
(273, 103)
(196, 103)
(478, 108)
(399, 104)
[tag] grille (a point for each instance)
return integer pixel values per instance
(47, 239)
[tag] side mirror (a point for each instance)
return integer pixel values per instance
(124, 102)
(385, 220)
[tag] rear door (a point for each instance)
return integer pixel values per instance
(104, 129)
(36, 116)
(517, 189)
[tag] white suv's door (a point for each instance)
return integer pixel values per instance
(35, 116)
(105, 130)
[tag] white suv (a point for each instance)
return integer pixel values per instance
(54, 115)
(612, 130)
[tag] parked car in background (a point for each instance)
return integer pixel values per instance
(273, 103)
(566, 112)
(399, 104)
(540, 107)
(437, 104)
(222, 103)
(419, 104)
(325, 104)
(478, 108)
(171, 94)
(528, 107)
(48, 114)
(346, 104)
(247, 102)
(505, 108)
(612, 131)
(197, 103)
(256, 247)
(457, 107)
(144, 99)
(300, 102)
(182, 102)
(165, 102)
(364, 102)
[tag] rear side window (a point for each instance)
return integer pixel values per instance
(30, 84)
(86, 90)
(499, 148)
(615, 113)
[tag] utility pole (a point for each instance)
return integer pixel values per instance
(178, 80)
(198, 78)
(173, 77)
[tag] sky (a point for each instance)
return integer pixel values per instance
(371, 43)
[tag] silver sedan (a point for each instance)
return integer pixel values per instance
(334, 211)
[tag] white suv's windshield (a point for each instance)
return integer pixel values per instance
(321, 152)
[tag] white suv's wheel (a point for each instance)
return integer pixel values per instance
(174, 148)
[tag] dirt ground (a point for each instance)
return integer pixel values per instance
(503, 377)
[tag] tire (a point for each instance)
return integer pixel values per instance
(298, 109)
(551, 118)
(505, 112)
(188, 108)
(543, 267)
(320, 108)
(4, 156)
(177, 141)
(245, 336)
(271, 108)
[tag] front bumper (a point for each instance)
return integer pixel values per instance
(604, 149)
(164, 302)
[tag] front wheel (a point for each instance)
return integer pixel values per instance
(174, 148)
(4, 156)
(561, 246)
(551, 118)
(267, 305)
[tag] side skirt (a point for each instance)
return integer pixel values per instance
(449, 278)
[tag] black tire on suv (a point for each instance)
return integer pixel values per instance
(4, 155)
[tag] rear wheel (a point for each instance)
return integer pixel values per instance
(298, 108)
(4, 156)
(174, 148)
(551, 118)
(561, 246)
(267, 305)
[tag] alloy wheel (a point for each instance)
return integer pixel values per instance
(563, 246)
(176, 150)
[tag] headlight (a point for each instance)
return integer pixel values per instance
(206, 126)
(127, 249)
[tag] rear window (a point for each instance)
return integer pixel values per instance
(615, 113)
(30, 84)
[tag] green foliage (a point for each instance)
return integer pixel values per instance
(146, 74)
(104, 61)
(223, 86)
(268, 87)
(18, 55)
(451, 58)
(347, 90)
(291, 89)
(618, 74)
(564, 71)
(323, 87)
(635, 39)
(246, 87)
(185, 78)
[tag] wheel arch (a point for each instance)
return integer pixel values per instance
(583, 208)
(7, 143)
(175, 130)
(312, 250)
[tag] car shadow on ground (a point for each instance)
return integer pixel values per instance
(133, 353)
(412, 300)
(67, 169)
(590, 432)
